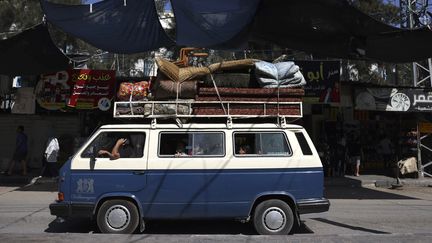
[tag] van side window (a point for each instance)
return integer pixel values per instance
(131, 145)
(195, 144)
(303, 143)
(261, 144)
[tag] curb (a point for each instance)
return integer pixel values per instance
(374, 181)
(405, 182)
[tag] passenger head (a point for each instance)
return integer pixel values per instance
(243, 149)
(20, 128)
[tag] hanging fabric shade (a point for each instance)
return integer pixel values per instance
(216, 24)
(327, 28)
(113, 25)
(31, 52)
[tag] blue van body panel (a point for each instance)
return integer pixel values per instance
(223, 193)
(200, 193)
(89, 186)
(64, 180)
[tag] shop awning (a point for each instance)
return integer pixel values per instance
(332, 28)
(31, 52)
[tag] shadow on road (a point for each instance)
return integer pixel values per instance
(347, 188)
(47, 185)
(72, 226)
(193, 227)
(350, 226)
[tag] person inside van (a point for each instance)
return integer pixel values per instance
(244, 149)
(180, 149)
(121, 149)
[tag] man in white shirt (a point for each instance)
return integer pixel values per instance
(51, 154)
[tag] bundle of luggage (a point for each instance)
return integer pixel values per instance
(244, 82)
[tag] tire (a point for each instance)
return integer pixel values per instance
(118, 216)
(273, 217)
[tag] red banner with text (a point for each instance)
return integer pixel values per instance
(78, 88)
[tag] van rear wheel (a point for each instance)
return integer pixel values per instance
(117, 216)
(273, 217)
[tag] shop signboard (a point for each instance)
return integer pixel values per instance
(393, 99)
(78, 88)
(425, 127)
(322, 81)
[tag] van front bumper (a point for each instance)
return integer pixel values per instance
(318, 205)
(66, 210)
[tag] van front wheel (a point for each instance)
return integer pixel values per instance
(273, 217)
(117, 216)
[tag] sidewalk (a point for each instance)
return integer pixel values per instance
(374, 181)
(20, 180)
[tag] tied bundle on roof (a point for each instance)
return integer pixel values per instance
(178, 74)
(282, 74)
(133, 91)
(165, 88)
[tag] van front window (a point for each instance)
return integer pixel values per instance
(115, 145)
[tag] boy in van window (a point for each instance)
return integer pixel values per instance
(121, 149)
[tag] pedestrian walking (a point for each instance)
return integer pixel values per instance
(51, 153)
(20, 153)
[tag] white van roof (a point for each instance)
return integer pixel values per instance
(203, 126)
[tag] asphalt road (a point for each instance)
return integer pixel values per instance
(356, 215)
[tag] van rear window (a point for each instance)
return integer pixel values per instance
(194, 144)
(303, 143)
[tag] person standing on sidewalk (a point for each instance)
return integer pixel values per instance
(385, 149)
(341, 157)
(20, 153)
(355, 152)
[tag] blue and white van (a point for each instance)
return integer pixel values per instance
(264, 173)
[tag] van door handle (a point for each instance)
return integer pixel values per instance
(139, 172)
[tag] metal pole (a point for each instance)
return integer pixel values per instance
(411, 26)
(430, 70)
(419, 160)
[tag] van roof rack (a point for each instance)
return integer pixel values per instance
(185, 109)
(207, 109)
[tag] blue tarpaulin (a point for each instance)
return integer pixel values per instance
(210, 23)
(111, 25)
(327, 28)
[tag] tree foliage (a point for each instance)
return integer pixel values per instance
(386, 11)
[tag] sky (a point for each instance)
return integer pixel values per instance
(91, 1)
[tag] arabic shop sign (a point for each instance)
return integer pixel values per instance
(322, 81)
(393, 99)
(79, 88)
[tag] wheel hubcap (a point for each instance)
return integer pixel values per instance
(274, 219)
(117, 217)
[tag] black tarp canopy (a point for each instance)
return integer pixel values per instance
(31, 52)
(332, 28)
